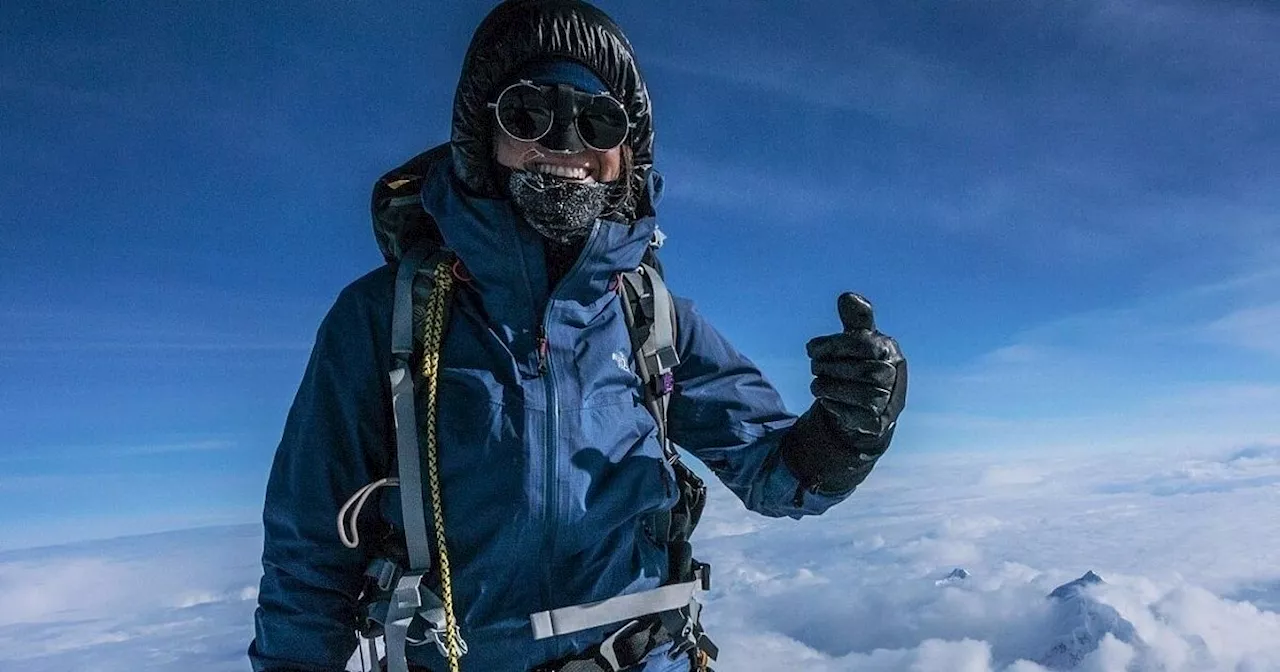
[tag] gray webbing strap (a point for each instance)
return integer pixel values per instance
(656, 357)
(408, 455)
(410, 591)
(658, 352)
(402, 309)
(662, 337)
(624, 607)
(662, 343)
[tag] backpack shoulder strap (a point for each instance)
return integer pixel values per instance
(411, 597)
(651, 318)
(408, 454)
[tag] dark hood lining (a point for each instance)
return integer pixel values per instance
(399, 222)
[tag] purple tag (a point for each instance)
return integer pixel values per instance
(666, 384)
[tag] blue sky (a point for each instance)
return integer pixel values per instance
(1064, 211)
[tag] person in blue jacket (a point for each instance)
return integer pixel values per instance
(549, 463)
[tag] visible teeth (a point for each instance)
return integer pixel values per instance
(561, 171)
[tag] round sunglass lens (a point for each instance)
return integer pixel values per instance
(524, 112)
(602, 123)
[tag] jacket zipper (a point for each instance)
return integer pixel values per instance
(551, 467)
(547, 369)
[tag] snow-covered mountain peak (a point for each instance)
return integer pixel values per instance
(1084, 622)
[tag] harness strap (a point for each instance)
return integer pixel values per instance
(625, 648)
(565, 620)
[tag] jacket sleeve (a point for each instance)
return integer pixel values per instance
(731, 418)
(333, 438)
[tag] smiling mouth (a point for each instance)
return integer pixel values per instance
(566, 172)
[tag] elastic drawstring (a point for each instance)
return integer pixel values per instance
(352, 540)
(460, 272)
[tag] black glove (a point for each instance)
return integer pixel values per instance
(860, 387)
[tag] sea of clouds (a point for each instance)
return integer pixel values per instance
(1187, 546)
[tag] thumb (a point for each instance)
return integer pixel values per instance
(855, 312)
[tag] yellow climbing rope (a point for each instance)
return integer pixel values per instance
(433, 337)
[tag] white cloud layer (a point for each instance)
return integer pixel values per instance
(1186, 546)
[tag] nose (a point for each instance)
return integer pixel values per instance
(563, 137)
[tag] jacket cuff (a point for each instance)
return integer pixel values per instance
(808, 499)
(821, 461)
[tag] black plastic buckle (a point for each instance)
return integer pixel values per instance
(708, 647)
(605, 654)
(608, 649)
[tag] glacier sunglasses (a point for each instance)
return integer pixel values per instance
(527, 112)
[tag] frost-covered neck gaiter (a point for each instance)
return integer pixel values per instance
(561, 210)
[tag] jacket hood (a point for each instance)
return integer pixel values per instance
(514, 34)
(518, 32)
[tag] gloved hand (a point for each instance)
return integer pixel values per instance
(860, 387)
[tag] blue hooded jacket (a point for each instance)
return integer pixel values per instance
(547, 478)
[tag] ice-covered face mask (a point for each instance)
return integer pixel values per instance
(561, 210)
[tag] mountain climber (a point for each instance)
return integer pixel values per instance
(519, 370)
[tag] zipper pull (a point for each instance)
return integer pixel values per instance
(544, 349)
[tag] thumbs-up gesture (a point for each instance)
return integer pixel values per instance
(860, 387)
